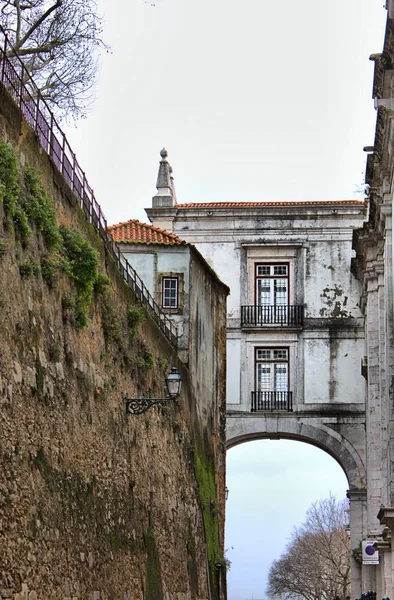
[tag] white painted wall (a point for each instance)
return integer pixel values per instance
(332, 369)
(224, 257)
(325, 357)
(233, 371)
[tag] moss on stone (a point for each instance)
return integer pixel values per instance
(9, 178)
(153, 582)
(192, 564)
(205, 475)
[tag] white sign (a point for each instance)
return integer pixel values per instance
(369, 554)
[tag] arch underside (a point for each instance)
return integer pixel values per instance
(241, 429)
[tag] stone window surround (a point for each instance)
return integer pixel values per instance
(280, 253)
(181, 291)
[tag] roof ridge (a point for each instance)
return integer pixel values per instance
(270, 203)
(132, 229)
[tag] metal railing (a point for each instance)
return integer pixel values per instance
(371, 595)
(283, 315)
(272, 401)
(21, 86)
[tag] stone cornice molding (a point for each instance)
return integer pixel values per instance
(386, 211)
(386, 516)
(357, 495)
(382, 545)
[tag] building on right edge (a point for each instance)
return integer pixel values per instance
(373, 267)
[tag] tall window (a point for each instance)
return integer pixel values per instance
(272, 284)
(169, 292)
(272, 369)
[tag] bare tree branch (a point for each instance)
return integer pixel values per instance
(59, 42)
(37, 23)
(316, 563)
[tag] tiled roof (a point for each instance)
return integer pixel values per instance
(262, 204)
(134, 231)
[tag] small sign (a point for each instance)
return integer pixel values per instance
(369, 553)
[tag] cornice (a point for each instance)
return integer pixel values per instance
(386, 516)
(356, 495)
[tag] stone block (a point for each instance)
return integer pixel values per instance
(42, 358)
(59, 370)
(17, 372)
(32, 377)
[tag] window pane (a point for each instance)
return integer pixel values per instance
(280, 377)
(263, 270)
(280, 287)
(280, 270)
(280, 354)
(170, 292)
(265, 295)
(264, 378)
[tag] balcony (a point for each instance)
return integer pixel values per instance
(272, 401)
(277, 315)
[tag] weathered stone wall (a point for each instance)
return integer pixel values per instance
(95, 504)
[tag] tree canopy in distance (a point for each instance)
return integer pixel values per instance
(316, 562)
(59, 42)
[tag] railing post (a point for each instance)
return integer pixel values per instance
(4, 58)
(63, 153)
(74, 161)
(37, 104)
(51, 137)
(21, 90)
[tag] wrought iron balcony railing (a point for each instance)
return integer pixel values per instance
(282, 315)
(272, 401)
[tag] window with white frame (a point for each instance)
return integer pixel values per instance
(169, 292)
(272, 369)
(272, 284)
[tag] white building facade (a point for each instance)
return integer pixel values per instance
(295, 328)
(293, 316)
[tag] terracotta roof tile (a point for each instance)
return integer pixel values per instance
(134, 231)
(262, 204)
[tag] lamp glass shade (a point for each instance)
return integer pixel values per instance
(174, 382)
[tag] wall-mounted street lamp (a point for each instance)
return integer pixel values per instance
(226, 492)
(136, 406)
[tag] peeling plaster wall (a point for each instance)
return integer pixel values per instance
(330, 288)
(326, 353)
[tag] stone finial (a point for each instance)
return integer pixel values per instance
(172, 185)
(165, 195)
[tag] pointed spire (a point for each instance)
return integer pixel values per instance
(172, 185)
(165, 186)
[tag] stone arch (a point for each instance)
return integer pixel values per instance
(242, 429)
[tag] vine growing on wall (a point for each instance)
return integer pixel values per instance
(28, 207)
(205, 475)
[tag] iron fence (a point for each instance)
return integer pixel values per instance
(282, 315)
(272, 401)
(21, 86)
(371, 595)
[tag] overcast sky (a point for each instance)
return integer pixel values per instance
(254, 100)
